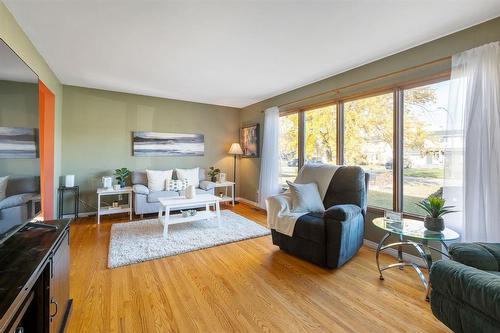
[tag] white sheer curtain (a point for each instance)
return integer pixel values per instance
(474, 156)
(270, 159)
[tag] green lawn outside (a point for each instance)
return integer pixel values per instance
(424, 172)
(384, 200)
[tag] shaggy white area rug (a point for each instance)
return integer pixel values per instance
(138, 241)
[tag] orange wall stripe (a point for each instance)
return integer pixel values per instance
(47, 125)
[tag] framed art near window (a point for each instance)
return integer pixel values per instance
(249, 140)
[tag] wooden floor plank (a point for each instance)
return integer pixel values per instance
(247, 286)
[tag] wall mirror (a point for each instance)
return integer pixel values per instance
(19, 142)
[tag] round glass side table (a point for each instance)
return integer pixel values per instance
(414, 229)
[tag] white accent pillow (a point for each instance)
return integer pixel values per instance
(3, 186)
(306, 198)
(176, 185)
(321, 174)
(157, 179)
(192, 175)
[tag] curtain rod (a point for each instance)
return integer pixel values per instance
(337, 90)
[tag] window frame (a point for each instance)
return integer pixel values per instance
(398, 130)
(303, 134)
(374, 93)
(300, 135)
(410, 85)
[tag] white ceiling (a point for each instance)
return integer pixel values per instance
(232, 53)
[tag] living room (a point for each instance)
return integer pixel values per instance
(249, 166)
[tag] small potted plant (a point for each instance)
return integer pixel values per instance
(121, 176)
(212, 173)
(435, 208)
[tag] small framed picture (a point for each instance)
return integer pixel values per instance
(393, 216)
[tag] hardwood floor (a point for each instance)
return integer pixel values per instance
(247, 286)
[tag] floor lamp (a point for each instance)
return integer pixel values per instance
(235, 150)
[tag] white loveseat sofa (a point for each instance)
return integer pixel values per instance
(147, 202)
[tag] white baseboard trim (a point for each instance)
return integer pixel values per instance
(249, 202)
(394, 253)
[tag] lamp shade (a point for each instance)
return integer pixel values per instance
(235, 149)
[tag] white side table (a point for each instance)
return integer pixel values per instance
(226, 185)
(106, 210)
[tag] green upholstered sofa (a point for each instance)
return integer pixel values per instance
(465, 293)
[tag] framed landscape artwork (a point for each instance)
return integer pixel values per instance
(249, 139)
(147, 144)
(18, 142)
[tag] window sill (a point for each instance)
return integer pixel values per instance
(378, 210)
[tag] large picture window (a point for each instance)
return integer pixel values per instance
(321, 135)
(368, 142)
(289, 148)
(369, 128)
(425, 139)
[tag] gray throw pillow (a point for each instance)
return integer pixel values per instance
(3, 186)
(305, 198)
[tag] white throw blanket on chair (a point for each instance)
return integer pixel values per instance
(279, 207)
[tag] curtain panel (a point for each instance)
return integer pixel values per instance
(472, 165)
(270, 159)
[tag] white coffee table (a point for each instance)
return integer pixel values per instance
(178, 203)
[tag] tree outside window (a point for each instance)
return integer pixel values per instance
(425, 140)
(368, 142)
(321, 135)
(289, 148)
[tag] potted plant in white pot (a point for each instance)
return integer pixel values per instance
(435, 208)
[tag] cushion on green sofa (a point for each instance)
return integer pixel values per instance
(494, 249)
(461, 317)
(477, 288)
(479, 255)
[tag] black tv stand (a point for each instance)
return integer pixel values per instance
(34, 279)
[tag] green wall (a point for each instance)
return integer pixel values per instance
(98, 124)
(19, 108)
(428, 52)
(15, 37)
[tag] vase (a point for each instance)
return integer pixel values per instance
(190, 192)
(434, 223)
(107, 182)
(222, 177)
(69, 181)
